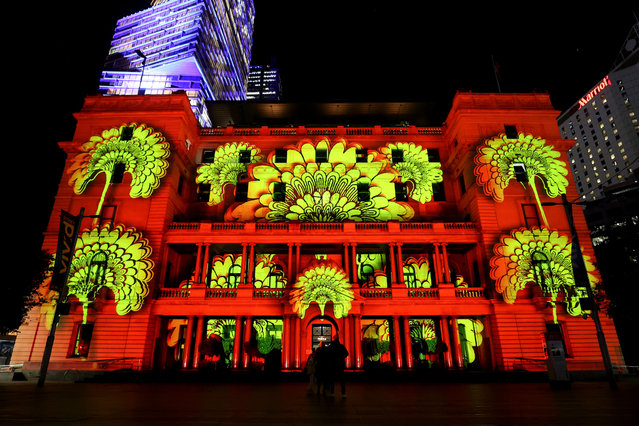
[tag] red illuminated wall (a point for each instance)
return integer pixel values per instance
(183, 233)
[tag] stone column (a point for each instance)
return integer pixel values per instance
(286, 344)
(446, 274)
(354, 263)
(186, 355)
(437, 264)
(298, 258)
(248, 328)
(237, 343)
(397, 342)
(243, 269)
(345, 263)
(205, 262)
(408, 349)
(346, 339)
(459, 356)
(251, 264)
(448, 357)
(357, 340)
(198, 340)
(290, 265)
(297, 341)
(198, 263)
(393, 274)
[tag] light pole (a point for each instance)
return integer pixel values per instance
(581, 280)
(141, 55)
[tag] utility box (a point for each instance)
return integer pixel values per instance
(556, 360)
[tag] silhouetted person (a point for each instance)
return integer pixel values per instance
(322, 367)
(310, 370)
(338, 356)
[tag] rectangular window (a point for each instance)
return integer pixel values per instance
(108, 214)
(208, 156)
(511, 132)
(245, 156)
(82, 341)
(362, 155)
(203, 192)
(118, 172)
(321, 156)
(127, 133)
(241, 192)
(433, 156)
(401, 191)
(280, 155)
(397, 155)
(462, 184)
(560, 329)
(531, 215)
(279, 191)
(438, 192)
(363, 192)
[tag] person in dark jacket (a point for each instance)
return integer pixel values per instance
(338, 354)
(322, 368)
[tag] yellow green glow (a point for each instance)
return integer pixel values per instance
(128, 272)
(222, 330)
(415, 168)
(269, 334)
(226, 168)
(512, 266)
(417, 272)
(324, 191)
(143, 156)
(321, 283)
(423, 337)
(494, 166)
(375, 339)
(470, 336)
(226, 270)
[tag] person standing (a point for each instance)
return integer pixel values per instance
(310, 370)
(338, 365)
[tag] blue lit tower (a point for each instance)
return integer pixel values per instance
(202, 47)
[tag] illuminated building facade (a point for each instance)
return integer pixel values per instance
(604, 124)
(264, 83)
(420, 247)
(202, 47)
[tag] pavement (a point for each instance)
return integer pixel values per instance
(287, 402)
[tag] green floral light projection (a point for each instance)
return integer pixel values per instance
(415, 167)
(127, 269)
(375, 340)
(322, 282)
(143, 155)
(371, 270)
(495, 159)
(231, 161)
(220, 338)
(417, 272)
(312, 189)
(226, 272)
(423, 338)
(513, 266)
(470, 337)
(269, 334)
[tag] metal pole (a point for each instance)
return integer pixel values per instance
(581, 279)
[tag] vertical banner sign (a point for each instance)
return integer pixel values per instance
(69, 228)
(68, 234)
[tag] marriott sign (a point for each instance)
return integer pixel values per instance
(595, 91)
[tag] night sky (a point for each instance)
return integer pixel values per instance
(346, 50)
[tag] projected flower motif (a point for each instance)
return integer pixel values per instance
(322, 192)
(414, 167)
(226, 272)
(143, 156)
(227, 167)
(512, 266)
(322, 283)
(495, 158)
(417, 273)
(127, 271)
(423, 337)
(375, 339)
(269, 335)
(470, 336)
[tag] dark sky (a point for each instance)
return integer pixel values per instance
(333, 50)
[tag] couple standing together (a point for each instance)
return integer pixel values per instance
(325, 366)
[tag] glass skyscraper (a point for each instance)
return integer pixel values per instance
(202, 47)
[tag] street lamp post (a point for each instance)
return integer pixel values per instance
(141, 55)
(581, 280)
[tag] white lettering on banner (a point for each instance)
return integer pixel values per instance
(595, 91)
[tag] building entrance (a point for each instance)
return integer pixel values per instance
(321, 333)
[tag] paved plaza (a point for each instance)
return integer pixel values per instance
(288, 403)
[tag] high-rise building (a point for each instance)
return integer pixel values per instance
(202, 47)
(245, 247)
(604, 124)
(264, 83)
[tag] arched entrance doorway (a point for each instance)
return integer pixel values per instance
(321, 329)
